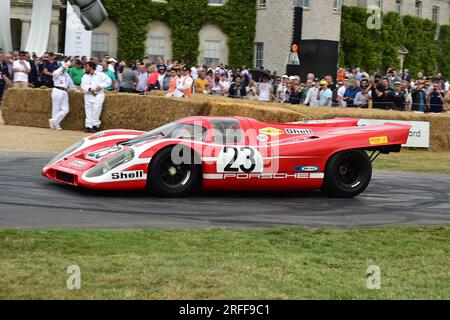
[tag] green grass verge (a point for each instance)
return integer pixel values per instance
(292, 263)
(415, 161)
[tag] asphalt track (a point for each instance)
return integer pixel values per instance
(27, 200)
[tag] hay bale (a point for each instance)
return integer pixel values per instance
(32, 107)
(262, 113)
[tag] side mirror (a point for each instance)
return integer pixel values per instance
(92, 13)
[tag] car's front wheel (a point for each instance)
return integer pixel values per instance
(347, 174)
(169, 177)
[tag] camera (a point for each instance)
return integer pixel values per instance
(364, 84)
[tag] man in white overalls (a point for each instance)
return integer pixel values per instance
(60, 98)
(93, 85)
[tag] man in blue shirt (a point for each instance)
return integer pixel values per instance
(50, 66)
(351, 92)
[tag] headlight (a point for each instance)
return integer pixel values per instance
(108, 165)
(65, 153)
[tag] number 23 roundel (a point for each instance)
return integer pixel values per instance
(240, 160)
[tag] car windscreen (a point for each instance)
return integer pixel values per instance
(174, 130)
(227, 131)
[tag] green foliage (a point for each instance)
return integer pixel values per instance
(222, 264)
(237, 18)
(444, 44)
(420, 37)
(376, 50)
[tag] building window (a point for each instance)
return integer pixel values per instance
(262, 4)
(399, 6)
(156, 48)
(211, 54)
(259, 54)
(336, 6)
(100, 44)
(379, 4)
(435, 14)
(419, 9)
(216, 2)
(301, 3)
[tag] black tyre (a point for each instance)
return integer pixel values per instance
(173, 178)
(348, 174)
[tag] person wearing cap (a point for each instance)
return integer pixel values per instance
(184, 84)
(393, 78)
(218, 87)
(60, 98)
(396, 98)
(325, 95)
(112, 65)
(163, 79)
(280, 93)
(93, 85)
(76, 72)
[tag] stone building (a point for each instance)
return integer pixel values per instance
(435, 10)
(320, 26)
(213, 41)
(21, 11)
(315, 25)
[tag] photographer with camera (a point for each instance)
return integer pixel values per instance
(419, 97)
(435, 99)
(380, 88)
(362, 98)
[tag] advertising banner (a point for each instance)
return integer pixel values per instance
(78, 40)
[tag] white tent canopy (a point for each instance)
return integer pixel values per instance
(40, 27)
(5, 26)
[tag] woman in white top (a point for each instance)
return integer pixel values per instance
(265, 90)
(252, 92)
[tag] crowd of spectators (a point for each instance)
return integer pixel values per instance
(351, 88)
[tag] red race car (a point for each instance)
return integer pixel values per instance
(220, 153)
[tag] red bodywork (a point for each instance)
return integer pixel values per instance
(294, 156)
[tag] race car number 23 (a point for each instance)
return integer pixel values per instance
(239, 159)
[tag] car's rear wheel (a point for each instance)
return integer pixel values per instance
(173, 178)
(347, 174)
